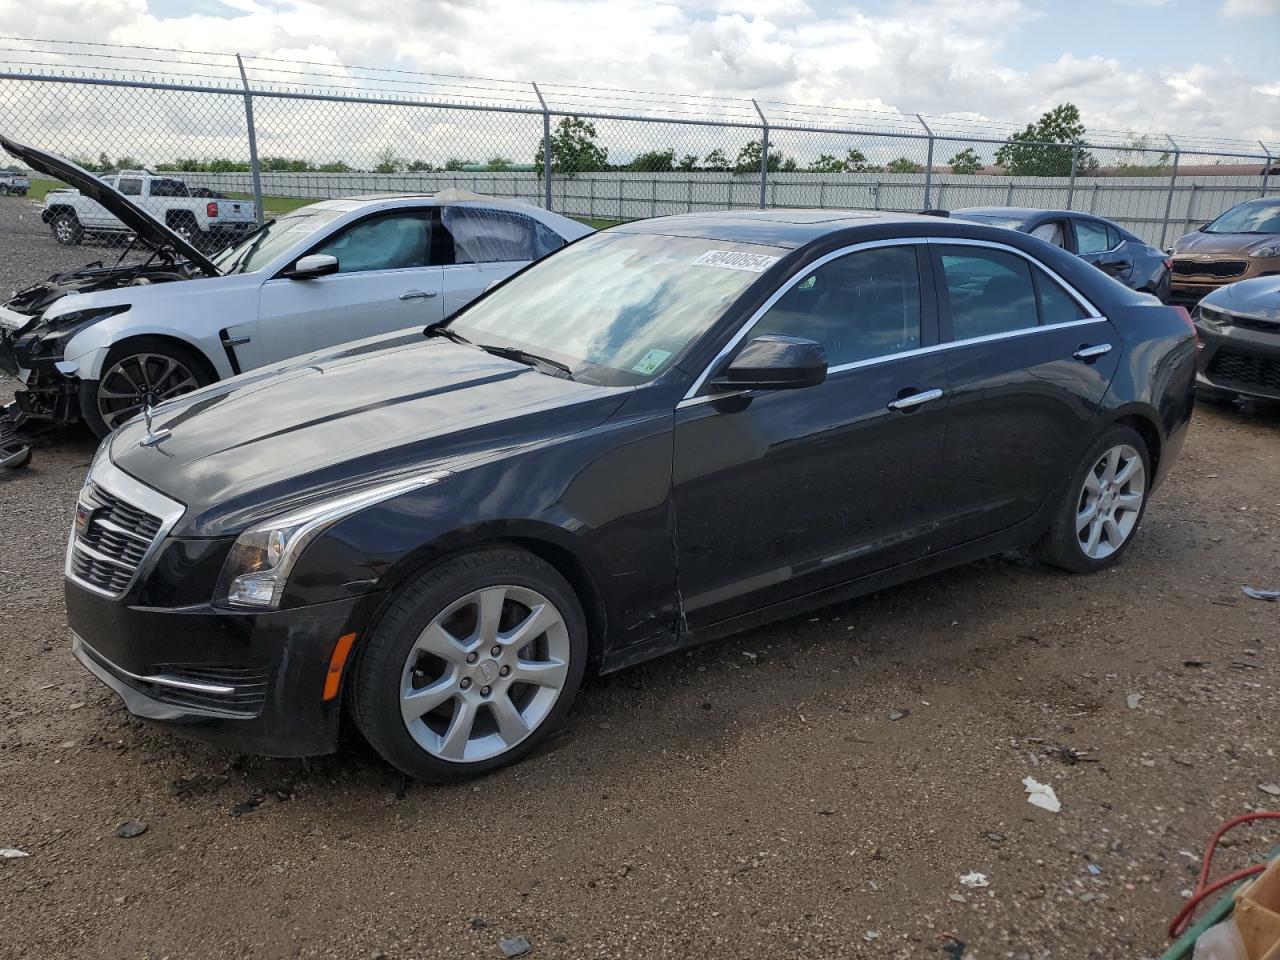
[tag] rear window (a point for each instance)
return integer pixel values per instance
(989, 292)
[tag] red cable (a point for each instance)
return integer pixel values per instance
(1178, 923)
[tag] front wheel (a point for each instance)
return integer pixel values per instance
(135, 375)
(474, 662)
(1101, 508)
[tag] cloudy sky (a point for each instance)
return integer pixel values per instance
(1205, 68)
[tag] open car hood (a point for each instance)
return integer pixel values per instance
(150, 230)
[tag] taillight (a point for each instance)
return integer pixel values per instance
(1168, 264)
(211, 208)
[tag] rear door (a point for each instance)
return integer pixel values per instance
(485, 245)
(385, 282)
(781, 493)
(1028, 363)
(1102, 245)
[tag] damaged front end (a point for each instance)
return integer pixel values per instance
(33, 344)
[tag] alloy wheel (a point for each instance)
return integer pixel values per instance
(1110, 501)
(137, 380)
(485, 673)
(63, 230)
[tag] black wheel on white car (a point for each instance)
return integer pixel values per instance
(66, 228)
(1100, 510)
(4, 190)
(184, 225)
(135, 374)
(473, 663)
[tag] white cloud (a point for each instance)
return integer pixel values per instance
(1251, 8)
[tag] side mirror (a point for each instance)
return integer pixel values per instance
(316, 265)
(775, 362)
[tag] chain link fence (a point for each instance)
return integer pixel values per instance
(267, 135)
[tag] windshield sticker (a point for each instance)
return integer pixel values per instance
(651, 361)
(733, 260)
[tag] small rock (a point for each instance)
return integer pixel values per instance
(706, 705)
(247, 806)
(899, 714)
(1134, 700)
(130, 829)
(995, 837)
(118, 901)
(515, 947)
(1271, 788)
(957, 898)
(76, 706)
(871, 936)
(975, 879)
(478, 923)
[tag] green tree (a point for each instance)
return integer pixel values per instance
(574, 148)
(284, 165)
(826, 163)
(1045, 147)
(654, 161)
(715, 161)
(903, 165)
(333, 166)
(966, 161)
(748, 160)
(688, 162)
(855, 161)
(454, 164)
(498, 164)
(388, 162)
(1138, 157)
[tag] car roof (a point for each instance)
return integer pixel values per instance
(776, 228)
(1024, 212)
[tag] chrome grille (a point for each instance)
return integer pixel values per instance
(113, 535)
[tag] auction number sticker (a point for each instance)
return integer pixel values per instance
(735, 260)
(651, 361)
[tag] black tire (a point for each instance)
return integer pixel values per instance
(1061, 545)
(377, 674)
(4, 190)
(66, 228)
(185, 226)
(181, 355)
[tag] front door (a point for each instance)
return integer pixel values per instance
(1028, 366)
(781, 493)
(385, 282)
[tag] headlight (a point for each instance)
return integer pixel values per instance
(1209, 317)
(258, 567)
(1270, 250)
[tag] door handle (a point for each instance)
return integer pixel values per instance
(417, 295)
(913, 400)
(1088, 354)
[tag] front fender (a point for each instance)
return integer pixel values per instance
(88, 349)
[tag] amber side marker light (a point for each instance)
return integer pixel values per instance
(341, 650)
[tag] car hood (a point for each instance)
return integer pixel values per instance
(249, 447)
(1258, 298)
(1208, 244)
(147, 227)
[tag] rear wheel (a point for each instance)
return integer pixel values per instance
(1101, 508)
(475, 661)
(137, 374)
(66, 229)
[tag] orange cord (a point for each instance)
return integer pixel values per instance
(1178, 923)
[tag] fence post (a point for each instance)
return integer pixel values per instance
(253, 141)
(546, 147)
(928, 163)
(1173, 183)
(1075, 163)
(1266, 171)
(764, 155)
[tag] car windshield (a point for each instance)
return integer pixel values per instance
(258, 249)
(617, 308)
(994, 219)
(1252, 216)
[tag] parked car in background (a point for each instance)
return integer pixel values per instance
(206, 223)
(1242, 243)
(13, 183)
(665, 432)
(1111, 248)
(98, 344)
(1239, 327)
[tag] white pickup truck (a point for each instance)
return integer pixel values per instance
(207, 222)
(11, 182)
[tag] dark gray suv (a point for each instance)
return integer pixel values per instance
(1112, 249)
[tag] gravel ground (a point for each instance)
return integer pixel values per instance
(752, 798)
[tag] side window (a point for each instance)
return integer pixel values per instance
(1056, 305)
(1051, 232)
(1091, 237)
(495, 236)
(858, 306)
(169, 188)
(130, 186)
(1114, 237)
(392, 242)
(989, 291)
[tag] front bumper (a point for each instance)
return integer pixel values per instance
(1239, 360)
(251, 682)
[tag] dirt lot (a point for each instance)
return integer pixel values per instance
(753, 798)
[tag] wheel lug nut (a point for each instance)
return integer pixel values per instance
(471, 658)
(502, 672)
(466, 682)
(418, 674)
(495, 651)
(484, 691)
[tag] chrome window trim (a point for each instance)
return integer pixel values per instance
(119, 484)
(692, 396)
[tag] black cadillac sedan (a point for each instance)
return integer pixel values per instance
(1108, 246)
(666, 432)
